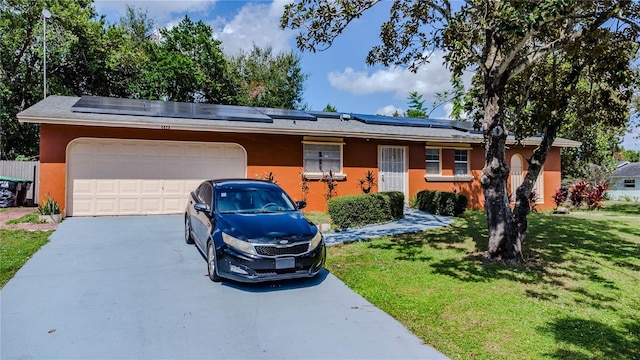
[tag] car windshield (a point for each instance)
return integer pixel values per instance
(252, 200)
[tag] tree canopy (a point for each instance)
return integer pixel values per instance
(87, 56)
(502, 41)
(416, 106)
(262, 78)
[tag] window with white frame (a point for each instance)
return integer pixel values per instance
(461, 162)
(432, 161)
(322, 158)
(630, 183)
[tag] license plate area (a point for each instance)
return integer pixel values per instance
(285, 263)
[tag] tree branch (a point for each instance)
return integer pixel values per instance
(545, 50)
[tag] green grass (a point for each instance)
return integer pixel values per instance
(575, 298)
(32, 217)
(16, 247)
(318, 217)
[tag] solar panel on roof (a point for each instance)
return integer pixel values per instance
(399, 121)
(289, 114)
(238, 113)
(119, 106)
(405, 121)
(466, 126)
(156, 108)
(104, 105)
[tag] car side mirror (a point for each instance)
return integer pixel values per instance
(201, 207)
(301, 204)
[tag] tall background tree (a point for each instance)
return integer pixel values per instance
(500, 40)
(416, 106)
(267, 79)
(131, 59)
(71, 32)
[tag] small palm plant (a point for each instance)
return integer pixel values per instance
(49, 206)
(49, 210)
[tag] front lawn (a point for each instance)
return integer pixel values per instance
(16, 247)
(32, 217)
(575, 298)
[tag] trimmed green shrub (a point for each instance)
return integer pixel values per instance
(359, 210)
(441, 202)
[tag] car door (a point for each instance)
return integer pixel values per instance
(202, 224)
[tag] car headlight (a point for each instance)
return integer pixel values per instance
(317, 239)
(238, 244)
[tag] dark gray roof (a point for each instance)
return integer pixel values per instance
(58, 110)
(630, 169)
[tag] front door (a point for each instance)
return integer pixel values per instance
(393, 169)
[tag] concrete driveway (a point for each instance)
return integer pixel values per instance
(130, 288)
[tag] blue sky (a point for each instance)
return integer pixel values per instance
(338, 75)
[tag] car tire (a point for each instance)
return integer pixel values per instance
(211, 263)
(188, 237)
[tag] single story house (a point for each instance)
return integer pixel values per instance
(625, 182)
(110, 156)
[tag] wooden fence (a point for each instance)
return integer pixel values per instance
(28, 170)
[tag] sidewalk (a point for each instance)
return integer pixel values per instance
(413, 221)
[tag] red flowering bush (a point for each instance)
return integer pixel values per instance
(578, 193)
(560, 196)
(597, 195)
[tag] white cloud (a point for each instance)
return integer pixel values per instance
(256, 23)
(428, 80)
(389, 110)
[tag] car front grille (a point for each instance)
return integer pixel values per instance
(268, 250)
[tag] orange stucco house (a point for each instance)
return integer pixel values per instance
(108, 156)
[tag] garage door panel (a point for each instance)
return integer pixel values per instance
(151, 187)
(83, 207)
(106, 206)
(124, 177)
(129, 206)
(129, 187)
(151, 206)
(129, 168)
(231, 153)
(105, 166)
(106, 147)
(173, 187)
(153, 168)
(82, 167)
(106, 187)
(84, 187)
(175, 205)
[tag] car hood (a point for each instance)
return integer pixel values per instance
(267, 227)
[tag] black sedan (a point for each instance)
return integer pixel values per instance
(251, 231)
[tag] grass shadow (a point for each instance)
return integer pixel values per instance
(587, 339)
(559, 251)
(411, 246)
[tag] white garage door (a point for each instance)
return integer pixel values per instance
(136, 177)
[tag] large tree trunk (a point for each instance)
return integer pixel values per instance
(522, 208)
(502, 242)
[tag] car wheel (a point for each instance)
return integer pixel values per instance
(211, 264)
(188, 237)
